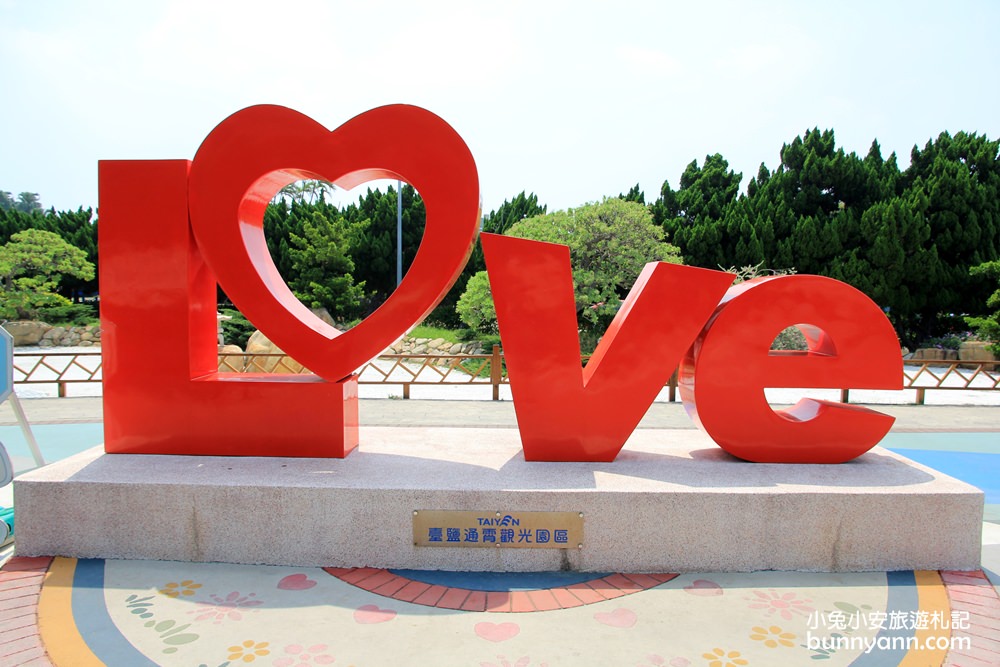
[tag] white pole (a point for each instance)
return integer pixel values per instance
(399, 232)
(36, 453)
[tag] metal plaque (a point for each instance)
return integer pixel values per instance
(498, 530)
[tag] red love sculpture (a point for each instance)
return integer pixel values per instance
(252, 154)
(851, 345)
(169, 229)
(566, 413)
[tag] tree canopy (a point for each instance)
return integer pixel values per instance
(907, 239)
(609, 242)
(31, 265)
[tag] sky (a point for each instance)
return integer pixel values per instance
(573, 101)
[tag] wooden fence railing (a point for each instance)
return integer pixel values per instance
(407, 370)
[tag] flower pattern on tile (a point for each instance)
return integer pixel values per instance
(185, 588)
(772, 636)
(783, 604)
(722, 658)
(249, 651)
(297, 655)
(219, 609)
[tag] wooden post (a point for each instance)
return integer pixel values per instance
(672, 384)
(496, 372)
(845, 395)
(920, 395)
(406, 390)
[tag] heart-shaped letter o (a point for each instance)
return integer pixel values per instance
(255, 152)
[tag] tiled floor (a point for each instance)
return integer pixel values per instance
(131, 613)
(77, 613)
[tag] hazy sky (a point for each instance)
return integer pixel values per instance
(571, 100)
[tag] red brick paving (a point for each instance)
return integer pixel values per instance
(20, 586)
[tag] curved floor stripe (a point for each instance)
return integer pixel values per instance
(503, 595)
(56, 624)
(933, 598)
(74, 622)
(90, 610)
(902, 596)
(499, 581)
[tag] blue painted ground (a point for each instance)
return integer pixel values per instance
(56, 441)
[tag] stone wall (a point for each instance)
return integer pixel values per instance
(407, 345)
(45, 335)
(967, 351)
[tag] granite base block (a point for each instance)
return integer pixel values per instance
(672, 502)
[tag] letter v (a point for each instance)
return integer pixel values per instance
(568, 413)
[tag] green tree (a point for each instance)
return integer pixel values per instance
(497, 221)
(7, 201)
(692, 217)
(609, 244)
(28, 202)
(323, 267)
(960, 178)
(373, 244)
(520, 206)
(31, 265)
(988, 326)
(634, 194)
(475, 306)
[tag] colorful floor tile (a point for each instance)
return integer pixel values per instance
(142, 613)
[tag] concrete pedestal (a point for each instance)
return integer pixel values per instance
(672, 502)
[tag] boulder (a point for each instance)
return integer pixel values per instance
(324, 314)
(228, 363)
(259, 344)
(935, 354)
(54, 334)
(27, 333)
(975, 350)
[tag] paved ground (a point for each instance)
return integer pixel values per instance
(485, 413)
(94, 612)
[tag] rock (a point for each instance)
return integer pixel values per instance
(46, 342)
(455, 349)
(55, 333)
(86, 336)
(436, 343)
(324, 314)
(229, 363)
(259, 344)
(421, 348)
(86, 343)
(27, 333)
(935, 354)
(975, 350)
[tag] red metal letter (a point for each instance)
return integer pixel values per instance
(565, 413)
(252, 154)
(851, 345)
(162, 394)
